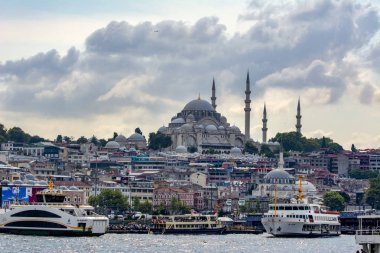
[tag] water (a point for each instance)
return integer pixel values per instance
(176, 243)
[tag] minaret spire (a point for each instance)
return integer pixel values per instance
(298, 116)
(213, 97)
(247, 108)
(265, 120)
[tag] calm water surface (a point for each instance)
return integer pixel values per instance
(176, 243)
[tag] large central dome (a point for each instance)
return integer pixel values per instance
(198, 105)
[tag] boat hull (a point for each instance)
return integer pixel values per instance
(296, 229)
(48, 232)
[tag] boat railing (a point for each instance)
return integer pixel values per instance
(368, 232)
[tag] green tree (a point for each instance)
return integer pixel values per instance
(59, 139)
(192, 149)
(178, 207)
(36, 139)
(16, 134)
(334, 201)
(362, 174)
(110, 200)
(67, 139)
(266, 151)
(94, 140)
(102, 142)
(346, 197)
(250, 148)
(372, 195)
(3, 133)
(146, 207)
(161, 209)
(114, 135)
(353, 149)
(82, 140)
(158, 141)
(138, 131)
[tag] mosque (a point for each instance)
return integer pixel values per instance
(200, 127)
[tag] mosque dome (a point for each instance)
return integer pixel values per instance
(235, 128)
(112, 144)
(73, 188)
(136, 137)
(223, 120)
(306, 186)
(211, 128)
(221, 127)
(178, 121)
(162, 129)
(198, 105)
(120, 138)
(190, 118)
(200, 126)
(278, 174)
(181, 149)
(235, 151)
(186, 127)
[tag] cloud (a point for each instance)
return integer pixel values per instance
(312, 50)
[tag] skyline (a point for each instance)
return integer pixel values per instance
(104, 67)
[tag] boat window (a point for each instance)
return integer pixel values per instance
(288, 208)
(38, 224)
(36, 213)
(295, 207)
(281, 208)
(301, 208)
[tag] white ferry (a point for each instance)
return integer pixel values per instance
(187, 224)
(300, 220)
(368, 234)
(50, 216)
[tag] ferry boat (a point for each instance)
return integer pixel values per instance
(187, 224)
(50, 216)
(305, 220)
(368, 234)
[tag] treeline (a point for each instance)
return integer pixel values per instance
(294, 141)
(16, 134)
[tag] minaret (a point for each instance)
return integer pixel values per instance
(281, 161)
(213, 98)
(247, 108)
(298, 117)
(265, 120)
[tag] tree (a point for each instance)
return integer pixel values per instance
(372, 195)
(161, 209)
(67, 139)
(158, 141)
(114, 135)
(362, 174)
(146, 207)
(94, 140)
(266, 151)
(110, 200)
(3, 133)
(353, 149)
(346, 197)
(82, 140)
(250, 148)
(334, 201)
(178, 207)
(138, 131)
(102, 142)
(59, 138)
(192, 149)
(16, 134)
(36, 139)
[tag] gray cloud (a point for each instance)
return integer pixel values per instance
(155, 66)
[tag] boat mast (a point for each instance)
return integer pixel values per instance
(275, 200)
(300, 191)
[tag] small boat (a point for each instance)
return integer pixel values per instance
(50, 216)
(186, 224)
(368, 234)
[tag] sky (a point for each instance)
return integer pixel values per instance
(83, 68)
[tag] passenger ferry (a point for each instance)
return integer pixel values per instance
(50, 216)
(368, 234)
(300, 219)
(187, 224)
